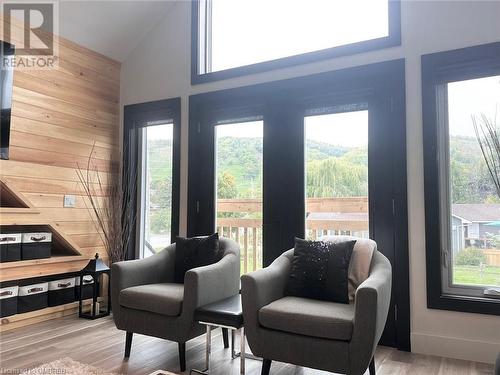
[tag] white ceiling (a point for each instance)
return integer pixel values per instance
(112, 28)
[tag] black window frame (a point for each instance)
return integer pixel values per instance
(439, 69)
(135, 117)
(283, 103)
(202, 38)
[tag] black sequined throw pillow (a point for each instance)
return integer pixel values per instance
(195, 252)
(320, 270)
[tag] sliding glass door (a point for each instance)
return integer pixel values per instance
(239, 188)
(336, 174)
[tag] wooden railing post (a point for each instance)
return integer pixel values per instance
(245, 248)
(254, 248)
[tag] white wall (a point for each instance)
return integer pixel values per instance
(160, 68)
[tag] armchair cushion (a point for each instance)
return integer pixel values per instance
(320, 270)
(361, 259)
(195, 252)
(164, 299)
(309, 317)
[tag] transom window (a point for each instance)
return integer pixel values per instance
(263, 34)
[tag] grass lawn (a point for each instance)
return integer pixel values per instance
(473, 275)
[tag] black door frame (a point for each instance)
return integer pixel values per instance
(283, 105)
(135, 117)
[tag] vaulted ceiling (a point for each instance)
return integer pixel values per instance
(112, 28)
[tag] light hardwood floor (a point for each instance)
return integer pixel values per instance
(100, 344)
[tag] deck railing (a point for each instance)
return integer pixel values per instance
(325, 216)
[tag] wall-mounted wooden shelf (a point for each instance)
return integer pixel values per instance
(19, 211)
(15, 205)
(26, 269)
(10, 198)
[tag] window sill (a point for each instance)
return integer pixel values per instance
(476, 305)
(300, 59)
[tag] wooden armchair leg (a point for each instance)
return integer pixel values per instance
(128, 344)
(182, 356)
(266, 366)
(225, 337)
(372, 366)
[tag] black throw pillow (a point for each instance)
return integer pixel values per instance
(195, 252)
(320, 270)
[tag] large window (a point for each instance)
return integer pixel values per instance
(229, 36)
(472, 264)
(462, 143)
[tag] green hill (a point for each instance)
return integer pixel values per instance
(332, 170)
(470, 180)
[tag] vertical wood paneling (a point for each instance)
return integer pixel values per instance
(57, 117)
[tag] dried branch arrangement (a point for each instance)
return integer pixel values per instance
(487, 134)
(109, 207)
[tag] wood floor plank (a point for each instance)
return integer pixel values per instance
(100, 344)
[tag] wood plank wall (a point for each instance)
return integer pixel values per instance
(57, 116)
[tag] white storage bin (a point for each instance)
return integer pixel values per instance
(36, 245)
(32, 297)
(8, 301)
(10, 247)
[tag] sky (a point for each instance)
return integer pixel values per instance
(347, 129)
(250, 31)
(472, 97)
(251, 129)
(158, 132)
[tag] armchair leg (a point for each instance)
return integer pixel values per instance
(225, 337)
(266, 366)
(182, 355)
(128, 344)
(372, 366)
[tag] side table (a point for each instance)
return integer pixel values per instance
(228, 314)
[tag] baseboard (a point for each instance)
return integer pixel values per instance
(455, 347)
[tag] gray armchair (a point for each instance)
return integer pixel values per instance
(145, 299)
(329, 336)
